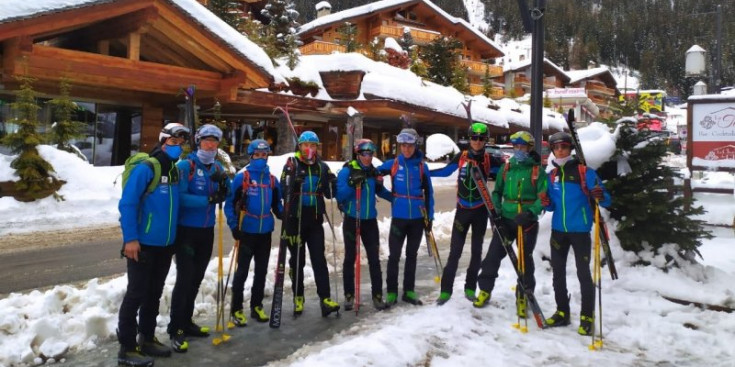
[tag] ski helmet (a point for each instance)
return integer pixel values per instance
(407, 136)
(363, 145)
(207, 131)
(308, 137)
(522, 138)
(560, 138)
(258, 145)
(174, 129)
(477, 129)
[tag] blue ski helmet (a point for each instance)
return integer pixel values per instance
(258, 145)
(365, 145)
(308, 137)
(206, 131)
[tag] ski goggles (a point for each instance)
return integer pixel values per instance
(561, 145)
(365, 153)
(181, 132)
(405, 138)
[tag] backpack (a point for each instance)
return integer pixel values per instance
(144, 158)
(534, 173)
(485, 162)
(582, 177)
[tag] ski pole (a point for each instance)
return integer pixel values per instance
(521, 297)
(334, 251)
(597, 281)
(298, 249)
(220, 319)
(233, 260)
(358, 204)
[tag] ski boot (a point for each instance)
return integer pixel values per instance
(178, 341)
(152, 347)
(559, 318)
(328, 306)
(259, 314)
(443, 298)
(349, 302)
(585, 325)
(390, 299)
(470, 294)
(378, 302)
(412, 298)
(482, 299)
(239, 319)
(196, 330)
(133, 357)
(298, 305)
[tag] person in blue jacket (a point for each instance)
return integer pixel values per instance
(148, 222)
(360, 173)
(203, 185)
(307, 180)
(413, 198)
(471, 212)
(571, 187)
(253, 202)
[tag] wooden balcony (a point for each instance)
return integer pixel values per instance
(550, 82)
(599, 89)
(521, 80)
(321, 48)
(495, 93)
(476, 67)
(600, 101)
(420, 37)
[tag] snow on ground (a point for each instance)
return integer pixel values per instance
(640, 327)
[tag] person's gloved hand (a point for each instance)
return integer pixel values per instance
(357, 177)
(236, 234)
(218, 196)
(219, 176)
(545, 200)
(597, 193)
(429, 224)
(525, 219)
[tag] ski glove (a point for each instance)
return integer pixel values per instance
(545, 201)
(525, 219)
(219, 176)
(429, 224)
(218, 197)
(597, 193)
(237, 234)
(357, 177)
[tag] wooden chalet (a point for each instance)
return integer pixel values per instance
(516, 80)
(389, 18)
(599, 84)
(126, 62)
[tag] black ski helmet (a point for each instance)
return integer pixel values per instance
(560, 138)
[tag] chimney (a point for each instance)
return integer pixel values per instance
(591, 65)
(323, 8)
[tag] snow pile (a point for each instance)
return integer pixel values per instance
(439, 145)
(598, 144)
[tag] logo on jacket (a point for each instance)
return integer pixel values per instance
(200, 172)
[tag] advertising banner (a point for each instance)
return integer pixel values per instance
(712, 134)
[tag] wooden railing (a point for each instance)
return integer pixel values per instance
(521, 79)
(550, 82)
(420, 37)
(495, 92)
(476, 67)
(600, 101)
(321, 48)
(599, 89)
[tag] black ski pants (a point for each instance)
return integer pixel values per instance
(496, 253)
(312, 235)
(146, 278)
(410, 230)
(252, 246)
(193, 252)
(369, 234)
(581, 243)
(465, 218)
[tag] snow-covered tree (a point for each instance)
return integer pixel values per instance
(487, 83)
(36, 180)
(281, 30)
(348, 37)
(65, 128)
(649, 212)
(406, 41)
(442, 57)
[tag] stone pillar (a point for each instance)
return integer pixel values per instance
(286, 141)
(353, 127)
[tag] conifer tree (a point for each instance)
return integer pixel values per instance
(65, 129)
(281, 30)
(649, 213)
(459, 78)
(406, 41)
(227, 10)
(375, 50)
(487, 83)
(442, 57)
(36, 179)
(348, 37)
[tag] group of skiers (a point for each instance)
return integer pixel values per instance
(178, 216)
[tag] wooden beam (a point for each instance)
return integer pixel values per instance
(71, 18)
(230, 85)
(103, 47)
(134, 46)
(119, 27)
(114, 72)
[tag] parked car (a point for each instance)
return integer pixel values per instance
(670, 138)
(545, 151)
(497, 158)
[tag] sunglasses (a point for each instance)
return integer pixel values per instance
(366, 153)
(477, 138)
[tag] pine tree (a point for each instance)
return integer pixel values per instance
(649, 213)
(348, 37)
(406, 41)
(229, 11)
(65, 129)
(375, 50)
(281, 31)
(442, 57)
(487, 83)
(459, 78)
(36, 180)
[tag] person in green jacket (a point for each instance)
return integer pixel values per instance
(519, 185)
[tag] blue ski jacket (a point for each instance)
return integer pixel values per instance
(150, 218)
(412, 189)
(347, 195)
(570, 204)
(251, 208)
(196, 187)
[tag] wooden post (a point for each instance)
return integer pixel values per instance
(286, 140)
(134, 46)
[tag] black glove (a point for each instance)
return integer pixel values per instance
(429, 224)
(219, 176)
(357, 177)
(525, 219)
(236, 234)
(218, 197)
(597, 193)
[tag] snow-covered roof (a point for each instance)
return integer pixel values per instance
(513, 66)
(17, 10)
(385, 4)
(323, 5)
(579, 75)
(384, 81)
